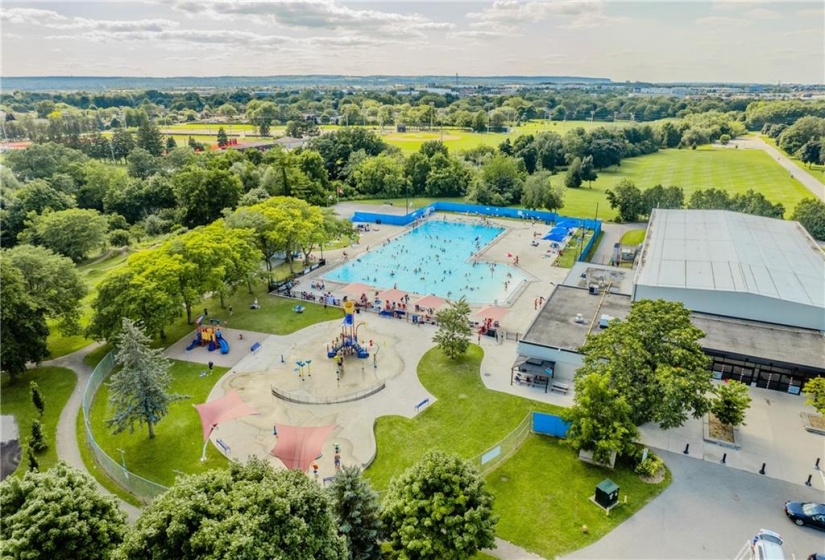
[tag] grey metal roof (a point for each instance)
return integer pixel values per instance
(728, 251)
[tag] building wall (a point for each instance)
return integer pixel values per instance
(566, 362)
(738, 305)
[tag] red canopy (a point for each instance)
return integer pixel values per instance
(227, 407)
(393, 294)
(491, 312)
(431, 302)
(358, 288)
(298, 446)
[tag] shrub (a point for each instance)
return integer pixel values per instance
(650, 466)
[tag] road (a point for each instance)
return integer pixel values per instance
(709, 511)
(808, 181)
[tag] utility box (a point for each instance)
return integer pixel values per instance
(607, 493)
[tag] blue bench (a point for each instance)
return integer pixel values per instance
(255, 347)
(224, 446)
(422, 404)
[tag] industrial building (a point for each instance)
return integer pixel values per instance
(755, 286)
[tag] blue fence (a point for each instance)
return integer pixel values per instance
(550, 424)
(479, 210)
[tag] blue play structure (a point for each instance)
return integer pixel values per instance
(347, 343)
(210, 336)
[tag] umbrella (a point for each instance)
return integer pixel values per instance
(392, 295)
(431, 302)
(491, 312)
(357, 288)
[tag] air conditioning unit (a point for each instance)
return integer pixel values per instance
(594, 289)
(604, 321)
(579, 318)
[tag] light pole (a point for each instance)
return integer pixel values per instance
(123, 463)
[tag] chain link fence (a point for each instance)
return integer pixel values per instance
(144, 489)
(490, 459)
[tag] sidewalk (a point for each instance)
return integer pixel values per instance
(68, 448)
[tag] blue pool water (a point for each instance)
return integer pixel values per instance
(434, 258)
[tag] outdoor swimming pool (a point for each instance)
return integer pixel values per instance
(434, 258)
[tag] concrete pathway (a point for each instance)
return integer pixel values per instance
(68, 448)
(808, 181)
(708, 511)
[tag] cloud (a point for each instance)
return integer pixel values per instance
(311, 14)
(763, 14)
(510, 14)
(53, 20)
(479, 34)
(721, 21)
(225, 37)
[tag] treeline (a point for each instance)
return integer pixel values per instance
(804, 139)
(633, 204)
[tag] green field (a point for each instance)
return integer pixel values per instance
(633, 237)
(178, 438)
(56, 385)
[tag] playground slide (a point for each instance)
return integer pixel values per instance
(194, 343)
(224, 345)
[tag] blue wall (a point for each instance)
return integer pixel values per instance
(550, 424)
(475, 209)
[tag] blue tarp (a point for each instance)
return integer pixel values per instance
(555, 236)
(550, 424)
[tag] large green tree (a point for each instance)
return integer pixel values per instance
(23, 323)
(32, 198)
(246, 511)
(204, 193)
(653, 360)
(453, 334)
(731, 403)
(138, 391)
(439, 508)
(628, 199)
(53, 283)
(358, 513)
(59, 514)
(810, 212)
(72, 233)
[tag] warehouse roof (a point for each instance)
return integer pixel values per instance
(732, 252)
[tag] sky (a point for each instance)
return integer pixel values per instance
(655, 41)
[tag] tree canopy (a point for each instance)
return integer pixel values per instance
(453, 334)
(246, 511)
(59, 514)
(24, 323)
(439, 508)
(357, 511)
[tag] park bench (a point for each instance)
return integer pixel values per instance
(560, 387)
(224, 446)
(255, 347)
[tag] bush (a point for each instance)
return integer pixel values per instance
(119, 238)
(650, 466)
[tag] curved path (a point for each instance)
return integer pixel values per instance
(68, 448)
(808, 181)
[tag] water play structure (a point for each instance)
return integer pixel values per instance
(210, 336)
(347, 342)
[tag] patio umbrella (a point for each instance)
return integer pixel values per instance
(431, 302)
(357, 288)
(392, 295)
(491, 312)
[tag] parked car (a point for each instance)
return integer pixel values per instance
(816, 556)
(767, 545)
(806, 513)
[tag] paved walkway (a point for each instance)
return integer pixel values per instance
(68, 448)
(808, 181)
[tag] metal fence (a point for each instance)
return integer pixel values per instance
(491, 458)
(144, 489)
(334, 399)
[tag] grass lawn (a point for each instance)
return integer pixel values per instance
(633, 237)
(572, 250)
(276, 316)
(817, 171)
(542, 495)
(543, 483)
(56, 385)
(467, 418)
(178, 438)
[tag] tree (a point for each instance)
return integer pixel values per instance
(654, 362)
(573, 177)
(810, 212)
(34, 464)
(453, 334)
(149, 137)
(724, 139)
(24, 325)
(38, 440)
(600, 418)
(53, 283)
(439, 508)
(501, 181)
(627, 197)
(204, 193)
(123, 142)
(447, 177)
(815, 391)
(42, 160)
(59, 514)
(731, 403)
(35, 197)
(661, 197)
(810, 152)
(536, 190)
(246, 511)
(171, 144)
(801, 132)
(138, 391)
(142, 164)
(357, 510)
(709, 199)
(588, 171)
(37, 398)
(752, 202)
(223, 139)
(381, 175)
(72, 233)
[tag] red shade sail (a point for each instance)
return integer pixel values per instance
(392, 295)
(358, 288)
(431, 302)
(298, 446)
(491, 312)
(225, 408)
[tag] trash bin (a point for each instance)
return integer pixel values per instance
(607, 493)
